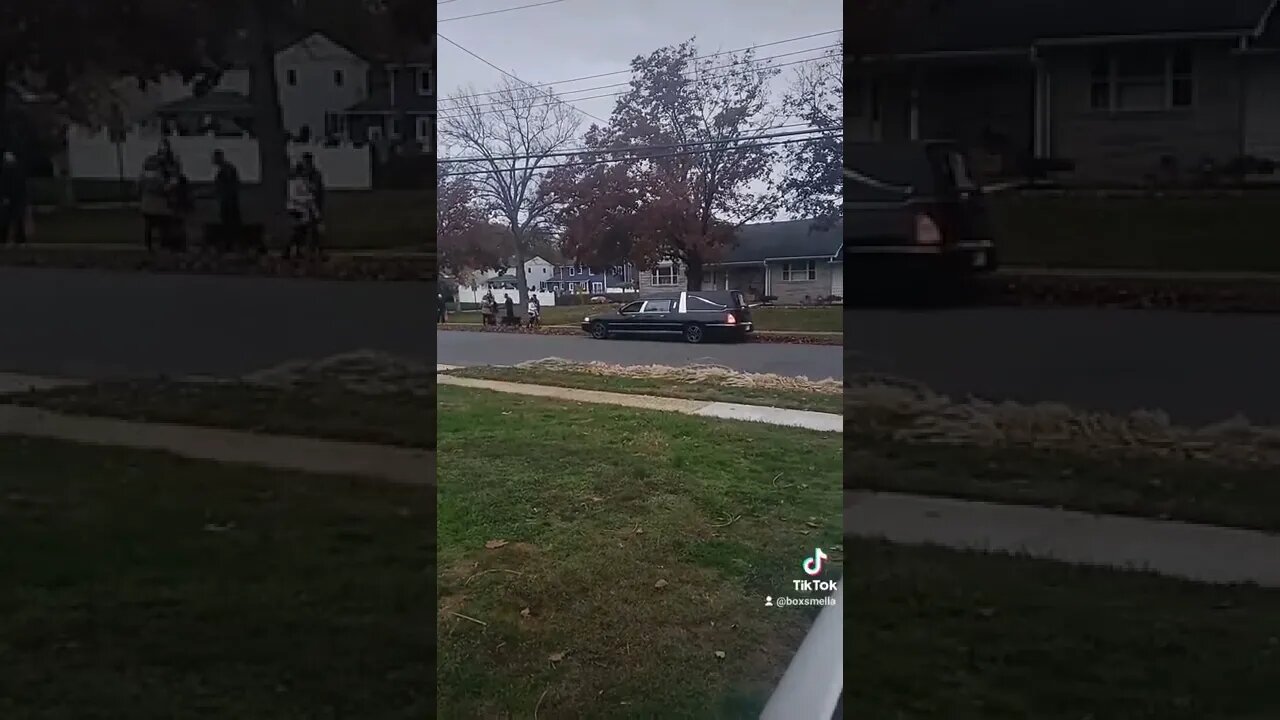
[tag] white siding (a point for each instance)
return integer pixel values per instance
(314, 61)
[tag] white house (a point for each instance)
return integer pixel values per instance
(316, 76)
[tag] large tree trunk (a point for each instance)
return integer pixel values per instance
(4, 104)
(521, 279)
(693, 273)
(268, 125)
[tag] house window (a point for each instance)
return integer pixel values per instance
(663, 275)
(424, 81)
(1142, 79)
(291, 77)
(799, 271)
(597, 287)
(424, 127)
(395, 127)
(338, 78)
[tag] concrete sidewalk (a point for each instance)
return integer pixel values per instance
(310, 455)
(1202, 553)
(822, 422)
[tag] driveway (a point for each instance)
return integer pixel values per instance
(482, 348)
(88, 324)
(1199, 368)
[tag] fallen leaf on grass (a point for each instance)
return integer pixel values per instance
(494, 544)
(660, 584)
(525, 612)
(719, 654)
(556, 657)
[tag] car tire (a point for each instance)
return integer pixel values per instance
(694, 333)
(599, 331)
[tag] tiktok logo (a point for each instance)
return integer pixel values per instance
(813, 565)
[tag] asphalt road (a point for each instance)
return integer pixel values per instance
(478, 348)
(1199, 368)
(87, 324)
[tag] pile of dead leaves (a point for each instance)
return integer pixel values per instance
(717, 375)
(911, 412)
(1136, 293)
(403, 268)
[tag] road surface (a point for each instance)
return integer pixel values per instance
(481, 348)
(1199, 368)
(85, 324)
(93, 325)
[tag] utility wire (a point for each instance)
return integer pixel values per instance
(635, 148)
(467, 111)
(532, 168)
(587, 150)
(697, 57)
(498, 12)
(504, 72)
(458, 99)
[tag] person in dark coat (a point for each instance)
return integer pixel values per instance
(226, 190)
(510, 308)
(13, 200)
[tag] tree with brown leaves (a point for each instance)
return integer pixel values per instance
(655, 204)
(465, 240)
(508, 138)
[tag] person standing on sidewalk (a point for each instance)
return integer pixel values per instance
(442, 315)
(14, 210)
(226, 188)
(154, 202)
(535, 311)
(510, 309)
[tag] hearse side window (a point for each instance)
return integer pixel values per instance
(738, 300)
(657, 306)
(630, 308)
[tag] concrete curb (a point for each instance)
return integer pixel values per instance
(1202, 553)
(822, 422)
(309, 455)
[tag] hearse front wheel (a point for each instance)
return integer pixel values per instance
(599, 331)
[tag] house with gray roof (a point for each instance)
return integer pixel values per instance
(795, 261)
(1123, 90)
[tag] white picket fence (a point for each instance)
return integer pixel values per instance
(92, 156)
(469, 296)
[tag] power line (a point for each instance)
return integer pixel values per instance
(586, 150)
(458, 99)
(697, 57)
(466, 110)
(498, 12)
(635, 159)
(635, 148)
(504, 72)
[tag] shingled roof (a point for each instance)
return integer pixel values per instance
(759, 242)
(932, 26)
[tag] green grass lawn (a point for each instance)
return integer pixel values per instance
(795, 399)
(1179, 489)
(773, 319)
(321, 410)
(594, 560)
(1175, 233)
(140, 585)
(934, 633)
(379, 219)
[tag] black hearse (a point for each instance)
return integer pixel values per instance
(914, 210)
(692, 315)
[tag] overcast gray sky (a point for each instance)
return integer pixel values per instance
(575, 38)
